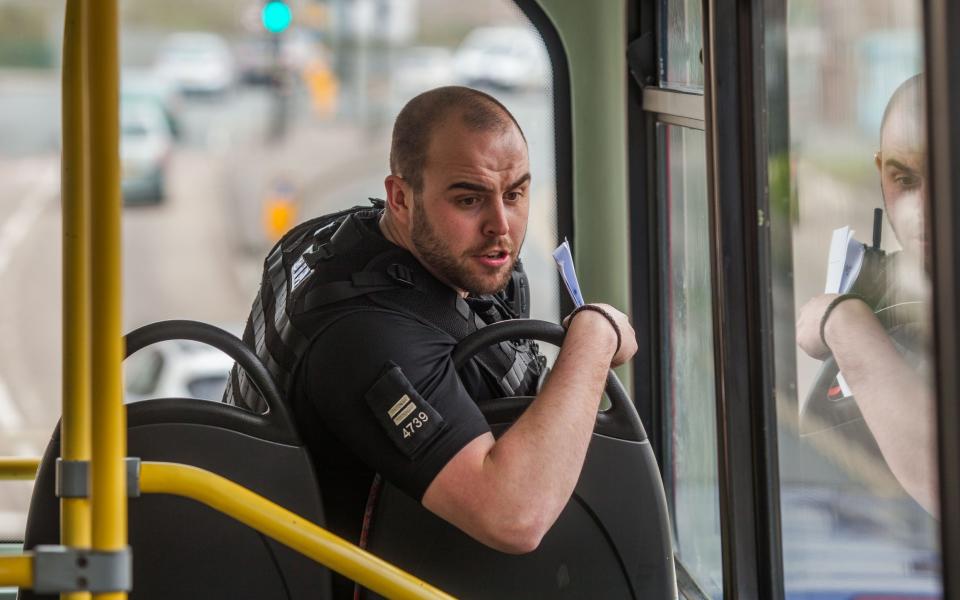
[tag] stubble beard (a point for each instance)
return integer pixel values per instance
(436, 255)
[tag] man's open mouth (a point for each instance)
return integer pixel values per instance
(494, 259)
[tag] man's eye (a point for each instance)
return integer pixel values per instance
(906, 180)
(468, 201)
(513, 196)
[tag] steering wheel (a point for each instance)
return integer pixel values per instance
(620, 421)
(825, 406)
(227, 343)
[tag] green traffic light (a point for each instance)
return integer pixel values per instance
(276, 16)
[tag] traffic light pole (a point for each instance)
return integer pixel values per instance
(280, 92)
(276, 17)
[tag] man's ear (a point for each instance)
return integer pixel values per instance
(878, 160)
(399, 197)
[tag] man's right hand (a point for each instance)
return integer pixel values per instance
(507, 492)
(588, 322)
(808, 326)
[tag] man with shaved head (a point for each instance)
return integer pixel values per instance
(886, 374)
(372, 385)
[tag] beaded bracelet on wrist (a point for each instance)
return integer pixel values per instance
(826, 313)
(606, 315)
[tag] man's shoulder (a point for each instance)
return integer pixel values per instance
(354, 345)
(378, 325)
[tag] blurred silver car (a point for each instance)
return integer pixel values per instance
(177, 369)
(196, 63)
(146, 86)
(508, 58)
(146, 142)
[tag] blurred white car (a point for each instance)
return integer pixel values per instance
(508, 57)
(199, 63)
(177, 369)
(146, 142)
(421, 68)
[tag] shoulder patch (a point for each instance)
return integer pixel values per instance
(408, 420)
(299, 271)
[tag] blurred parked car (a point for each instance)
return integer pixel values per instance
(196, 63)
(146, 142)
(146, 86)
(420, 68)
(509, 58)
(177, 369)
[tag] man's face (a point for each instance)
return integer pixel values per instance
(902, 161)
(470, 219)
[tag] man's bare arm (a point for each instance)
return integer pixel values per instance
(896, 403)
(507, 493)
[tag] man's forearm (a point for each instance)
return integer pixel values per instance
(542, 454)
(508, 492)
(896, 403)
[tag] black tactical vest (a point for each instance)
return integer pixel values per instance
(335, 265)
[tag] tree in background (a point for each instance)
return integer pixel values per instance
(24, 40)
(221, 16)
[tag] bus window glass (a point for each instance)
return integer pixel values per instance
(230, 136)
(690, 469)
(856, 420)
(681, 39)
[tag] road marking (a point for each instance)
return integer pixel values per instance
(31, 206)
(12, 233)
(10, 416)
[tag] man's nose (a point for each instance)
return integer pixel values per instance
(496, 224)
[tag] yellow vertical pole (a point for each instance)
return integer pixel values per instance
(75, 443)
(109, 419)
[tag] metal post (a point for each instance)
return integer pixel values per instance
(17, 468)
(75, 433)
(16, 571)
(108, 471)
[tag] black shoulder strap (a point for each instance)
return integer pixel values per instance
(362, 283)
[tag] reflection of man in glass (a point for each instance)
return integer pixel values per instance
(884, 374)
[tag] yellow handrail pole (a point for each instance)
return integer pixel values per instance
(109, 500)
(17, 571)
(75, 432)
(14, 467)
(284, 526)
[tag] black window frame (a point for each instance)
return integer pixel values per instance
(941, 22)
(644, 238)
(737, 154)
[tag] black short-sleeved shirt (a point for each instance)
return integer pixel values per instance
(345, 398)
(376, 392)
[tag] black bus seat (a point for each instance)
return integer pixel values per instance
(613, 539)
(181, 548)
